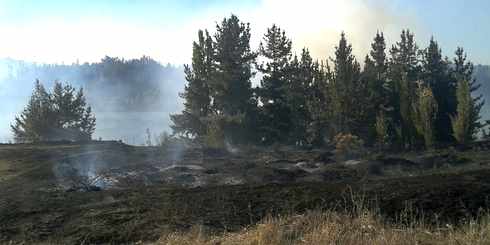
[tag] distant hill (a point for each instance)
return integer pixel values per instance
(482, 76)
(127, 96)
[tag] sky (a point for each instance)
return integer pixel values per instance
(64, 31)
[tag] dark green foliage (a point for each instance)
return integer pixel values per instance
(435, 73)
(34, 122)
(404, 100)
(463, 71)
(303, 82)
(231, 86)
(404, 71)
(405, 57)
(220, 104)
(345, 87)
(60, 115)
(276, 114)
(318, 130)
(196, 95)
(374, 78)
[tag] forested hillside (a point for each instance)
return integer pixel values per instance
(128, 96)
(482, 76)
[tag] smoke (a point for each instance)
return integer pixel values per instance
(83, 171)
(124, 109)
(230, 148)
(317, 24)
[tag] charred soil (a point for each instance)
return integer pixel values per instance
(146, 191)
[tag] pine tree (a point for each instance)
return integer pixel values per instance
(463, 71)
(61, 115)
(425, 113)
(403, 71)
(406, 127)
(435, 73)
(374, 79)
(405, 57)
(35, 121)
(344, 88)
(197, 99)
(87, 124)
(303, 75)
(378, 54)
(319, 104)
(231, 87)
(73, 118)
(276, 112)
(461, 122)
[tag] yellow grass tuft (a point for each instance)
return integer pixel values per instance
(337, 228)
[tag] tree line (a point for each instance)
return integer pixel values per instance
(126, 85)
(402, 96)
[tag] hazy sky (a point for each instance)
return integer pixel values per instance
(86, 30)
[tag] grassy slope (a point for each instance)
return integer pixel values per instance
(31, 211)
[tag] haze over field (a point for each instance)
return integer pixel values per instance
(61, 32)
(127, 96)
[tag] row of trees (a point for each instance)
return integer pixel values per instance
(126, 85)
(403, 96)
(52, 116)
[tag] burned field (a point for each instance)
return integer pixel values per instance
(105, 192)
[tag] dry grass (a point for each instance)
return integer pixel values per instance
(337, 228)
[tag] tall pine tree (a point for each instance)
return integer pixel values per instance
(344, 88)
(403, 71)
(462, 70)
(231, 89)
(276, 113)
(319, 105)
(435, 74)
(197, 99)
(374, 78)
(303, 77)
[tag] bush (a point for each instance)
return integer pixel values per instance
(348, 146)
(215, 136)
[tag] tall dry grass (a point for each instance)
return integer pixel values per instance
(355, 228)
